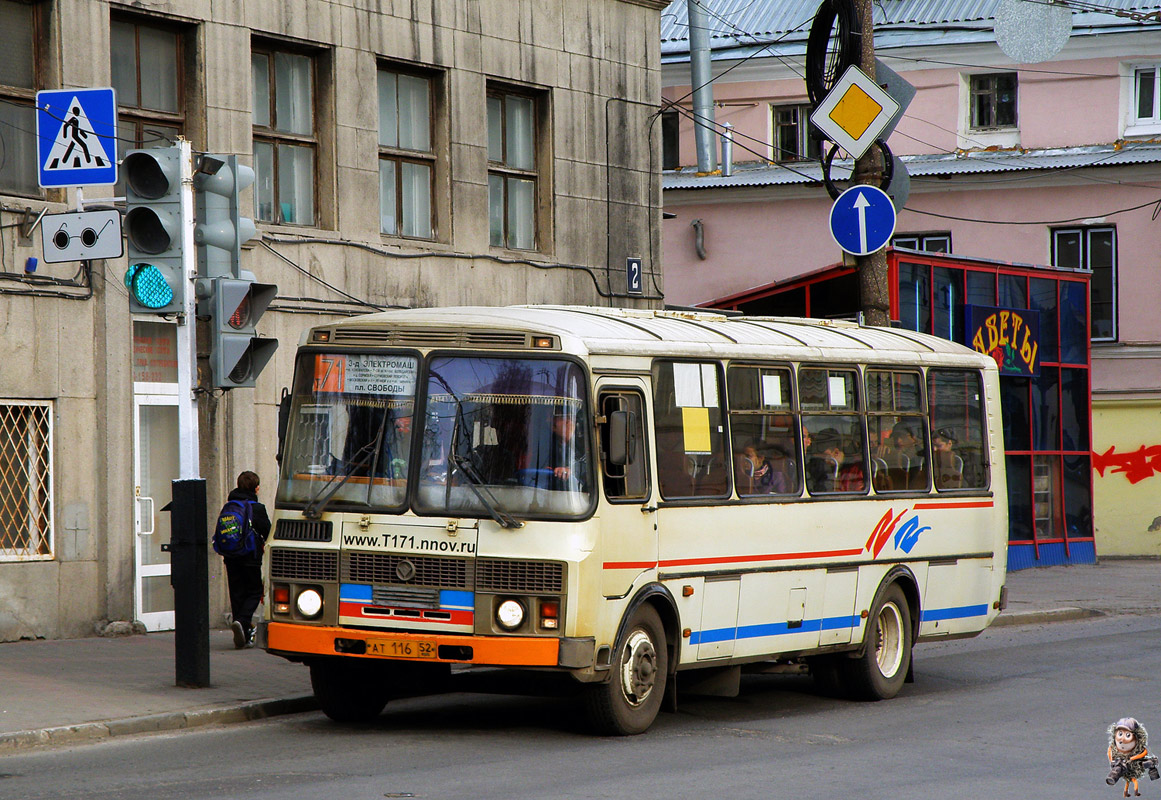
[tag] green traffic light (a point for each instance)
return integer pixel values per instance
(148, 285)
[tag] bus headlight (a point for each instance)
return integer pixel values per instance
(309, 603)
(510, 615)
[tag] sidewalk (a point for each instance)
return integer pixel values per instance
(73, 690)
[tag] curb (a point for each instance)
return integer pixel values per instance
(1045, 615)
(153, 723)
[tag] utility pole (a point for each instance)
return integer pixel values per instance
(701, 76)
(874, 294)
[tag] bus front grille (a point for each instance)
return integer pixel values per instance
(303, 565)
(380, 568)
(302, 530)
(504, 575)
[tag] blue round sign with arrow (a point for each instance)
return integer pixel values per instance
(862, 220)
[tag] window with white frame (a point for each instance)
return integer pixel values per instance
(19, 80)
(513, 176)
(1145, 114)
(406, 154)
(926, 242)
(993, 101)
(285, 138)
(1093, 249)
(25, 479)
(792, 139)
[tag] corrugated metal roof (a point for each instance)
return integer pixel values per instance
(644, 332)
(745, 23)
(918, 166)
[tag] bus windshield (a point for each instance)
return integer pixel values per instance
(504, 437)
(349, 433)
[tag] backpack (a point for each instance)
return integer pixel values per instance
(234, 535)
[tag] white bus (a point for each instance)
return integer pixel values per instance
(629, 497)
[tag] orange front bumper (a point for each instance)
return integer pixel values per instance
(509, 651)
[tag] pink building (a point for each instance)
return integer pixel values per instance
(1054, 163)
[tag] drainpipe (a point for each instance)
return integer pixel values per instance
(728, 150)
(703, 92)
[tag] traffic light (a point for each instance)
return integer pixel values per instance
(234, 306)
(221, 230)
(153, 230)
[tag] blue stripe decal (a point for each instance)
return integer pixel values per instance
(355, 592)
(772, 629)
(955, 613)
(453, 599)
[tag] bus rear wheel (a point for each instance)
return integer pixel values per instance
(350, 690)
(879, 673)
(628, 703)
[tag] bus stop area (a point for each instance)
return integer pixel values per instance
(71, 691)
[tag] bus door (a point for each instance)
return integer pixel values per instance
(628, 512)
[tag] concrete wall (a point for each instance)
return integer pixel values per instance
(601, 204)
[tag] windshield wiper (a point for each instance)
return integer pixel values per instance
(474, 481)
(367, 453)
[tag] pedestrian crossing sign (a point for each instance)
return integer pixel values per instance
(76, 137)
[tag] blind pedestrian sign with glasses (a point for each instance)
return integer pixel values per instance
(76, 138)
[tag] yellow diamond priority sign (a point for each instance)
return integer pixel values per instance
(854, 112)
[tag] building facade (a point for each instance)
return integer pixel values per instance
(1054, 163)
(406, 154)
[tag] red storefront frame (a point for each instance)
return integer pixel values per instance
(1049, 457)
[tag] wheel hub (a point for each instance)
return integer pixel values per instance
(638, 668)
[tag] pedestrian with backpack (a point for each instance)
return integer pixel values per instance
(240, 537)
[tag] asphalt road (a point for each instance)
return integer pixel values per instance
(1019, 712)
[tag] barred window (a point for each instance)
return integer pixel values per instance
(25, 479)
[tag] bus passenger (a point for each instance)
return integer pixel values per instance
(948, 466)
(758, 475)
(826, 471)
(904, 458)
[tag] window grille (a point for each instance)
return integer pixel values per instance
(25, 480)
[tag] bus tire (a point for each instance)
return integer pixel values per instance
(628, 703)
(349, 690)
(879, 673)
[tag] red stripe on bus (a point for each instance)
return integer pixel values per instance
(685, 562)
(629, 564)
(964, 504)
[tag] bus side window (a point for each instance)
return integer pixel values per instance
(690, 429)
(624, 417)
(958, 447)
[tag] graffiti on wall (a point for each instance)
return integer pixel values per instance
(1135, 465)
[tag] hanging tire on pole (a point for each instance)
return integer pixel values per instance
(835, 43)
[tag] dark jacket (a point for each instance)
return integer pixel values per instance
(259, 520)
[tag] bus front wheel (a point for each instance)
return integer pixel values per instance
(628, 703)
(878, 674)
(349, 690)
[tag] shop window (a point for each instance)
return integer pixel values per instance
(1078, 496)
(1013, 291)
(513, 172)
(19, 80)
(285, 136)
(1019, 498)
(792, 139)
(1073, 323)
(1074, 411)
(1046, 409)
(406, 154)
(1043, 296)
(764, 431)
(146, 65)
(993, 101)
(948, 303)
(26, 513)
(689, 430)
(1095, 250)
(915, 297)
(1017, 413)
(836, 458)
(981, 288)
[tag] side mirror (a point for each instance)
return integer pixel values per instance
(283, 421)
(620, 438)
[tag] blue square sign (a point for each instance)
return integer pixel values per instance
(76, 137)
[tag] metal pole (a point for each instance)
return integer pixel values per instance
(187, 363)
(728, 150)
(874, 293)
(703, 91)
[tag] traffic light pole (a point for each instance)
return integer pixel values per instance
(187, 364)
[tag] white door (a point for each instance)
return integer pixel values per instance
(156, 466)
